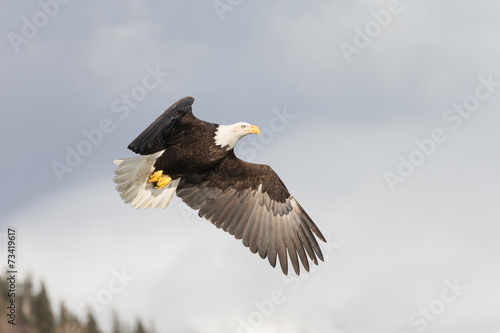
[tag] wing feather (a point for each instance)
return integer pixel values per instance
(228, 202)
(300, 250)
(282, 249)
(252, 225)
(259, 228)
(242, 223)
(232, 222)
(304, 241)
(250, 202)
(271, 244)
(227, 222)
(290, 247)
(265, 232)
(160, 133)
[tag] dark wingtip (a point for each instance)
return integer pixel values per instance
(183, 102)
(149, 141)
(183, 105)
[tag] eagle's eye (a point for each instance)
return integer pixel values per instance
(243, 126)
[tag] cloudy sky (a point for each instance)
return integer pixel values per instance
(380, 116)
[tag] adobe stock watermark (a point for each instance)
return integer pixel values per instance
(31, 26)
(372, 29)
(222, 7)
(121, 108)
(248, 149)
(425, 315)
(104, 296)
(454, 118)
(266, 307)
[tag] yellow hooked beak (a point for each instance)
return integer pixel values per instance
(254, 130)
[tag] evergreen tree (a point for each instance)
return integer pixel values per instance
(43, 318)
(68, 322)
(64, 315)
(3, 286)
(91, 326)
(3, 290)
(116, 323)
(139, 328)
(26, 299)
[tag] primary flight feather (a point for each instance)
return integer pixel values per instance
(195, 159)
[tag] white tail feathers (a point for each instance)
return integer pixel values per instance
(132, 179)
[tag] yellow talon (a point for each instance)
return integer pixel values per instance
(155, 176)
(163, 181)
(158, 178)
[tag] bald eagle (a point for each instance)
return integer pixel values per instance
(195, 159)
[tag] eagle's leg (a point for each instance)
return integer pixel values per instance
(163, 181)
(158, 178)
(155, 176)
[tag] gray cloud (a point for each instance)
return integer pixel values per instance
(352, 122)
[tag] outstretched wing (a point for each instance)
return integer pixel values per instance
(251, 202)
(156, 136)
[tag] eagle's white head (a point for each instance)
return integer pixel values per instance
(228, 135)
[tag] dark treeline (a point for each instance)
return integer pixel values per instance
(34, 314)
